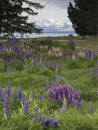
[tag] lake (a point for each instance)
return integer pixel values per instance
(50, 34)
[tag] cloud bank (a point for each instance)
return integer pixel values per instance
(54, 26)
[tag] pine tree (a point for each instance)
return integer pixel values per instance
(84, 16)
(12, 20)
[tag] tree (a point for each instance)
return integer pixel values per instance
(84, 16)
(12, 18)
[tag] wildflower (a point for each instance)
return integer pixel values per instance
(59, 99)
(57, 79)
(35, 117)
(41, 96)
(19, 93)
(43, 119)
(59, 92)
(6, 104)
(26, 108)
(0, 94)
(91, 108)
(50, 122)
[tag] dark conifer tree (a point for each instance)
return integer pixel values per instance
(12, 20)
(84, 16)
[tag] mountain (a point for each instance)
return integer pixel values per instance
(54, 26)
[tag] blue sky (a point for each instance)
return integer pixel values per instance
(54, 14)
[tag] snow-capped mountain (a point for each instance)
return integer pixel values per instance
(54, 26)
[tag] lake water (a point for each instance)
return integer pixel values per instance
(49, 34)
(33, 35)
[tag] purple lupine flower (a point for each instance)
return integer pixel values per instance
(24, 98)
(89, 54)
(43, 119)
(6, 104)
(75, 102)
(78, 95)
(19, 93)
(57, 79)
(59, 92)
(50, 122)
(41, 97)
(26, 108)
(35, 119)
(15, 95)
(91, 108)
(0, 94)
(59, 99)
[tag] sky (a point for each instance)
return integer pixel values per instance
(53, 16)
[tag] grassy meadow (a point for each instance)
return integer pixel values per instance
(49, 83)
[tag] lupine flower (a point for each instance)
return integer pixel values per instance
(60, 92)
(0, 94)
(75, 102)
(78, 95)
(41, 96)
(35, 116)
(6, 104)
(24, 98)
(57, 79)
(89, 54)
(91, 108)
(50, 122)
(43, 119)
(26, 108)
(19, 93)
(59, 99)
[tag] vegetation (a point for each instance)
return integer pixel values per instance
(47, 86)
(84, 17)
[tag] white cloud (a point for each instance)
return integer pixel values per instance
(54, 25)
(54, 14)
